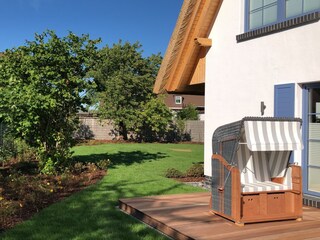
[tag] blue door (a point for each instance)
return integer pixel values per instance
(284, 103)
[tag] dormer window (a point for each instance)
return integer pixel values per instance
(178, 100)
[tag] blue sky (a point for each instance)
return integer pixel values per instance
(150, 22)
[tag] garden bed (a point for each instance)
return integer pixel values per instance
(190, 179)
(24, 192)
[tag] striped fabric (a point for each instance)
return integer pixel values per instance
(255, 170)
(264, 187)
(273, 135)
(253, 166)
(288, 178)
(278, 163)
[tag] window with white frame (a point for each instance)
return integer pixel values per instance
(178, 100)
(260, 13)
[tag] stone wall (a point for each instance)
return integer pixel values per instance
(92, 127)
(195, 129)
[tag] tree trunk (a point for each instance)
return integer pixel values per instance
(123, 131)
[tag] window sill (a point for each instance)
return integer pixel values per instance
(279, 27)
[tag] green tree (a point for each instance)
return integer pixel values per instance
(188, 113)
(42, 87)
(124, 80)
(154, 121)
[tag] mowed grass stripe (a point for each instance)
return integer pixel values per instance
(137, 170)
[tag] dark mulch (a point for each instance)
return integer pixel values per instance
(99, 142)
(190, 179)
(24, 192)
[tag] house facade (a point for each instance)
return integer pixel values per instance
(178, 101)
(264, 60)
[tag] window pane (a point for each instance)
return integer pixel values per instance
(255, 20)
(293, 8)
(314, 132)
(270, 2)
(254, 4)
(310, 5)
(313, 179)
(255, 13)
(314, 153)
(314, 106)
(270, 15)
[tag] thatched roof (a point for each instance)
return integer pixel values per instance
(181, 68)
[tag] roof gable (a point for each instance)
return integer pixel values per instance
(182, 68)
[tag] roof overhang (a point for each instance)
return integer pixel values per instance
(188, 46)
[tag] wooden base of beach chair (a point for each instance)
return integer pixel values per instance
(239, 224)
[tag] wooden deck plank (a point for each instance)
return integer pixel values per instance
(187, 216)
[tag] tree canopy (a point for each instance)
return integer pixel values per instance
(188, 113)
(125, 81)
(42, 86)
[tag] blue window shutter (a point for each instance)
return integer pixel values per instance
(284, 103)
(284, 100)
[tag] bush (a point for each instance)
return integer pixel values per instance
(78, 168)
(196, 170)
(174, 173)
(91, 167)
(7, 148)
(103, 164)
(188, 113)
(25, 153)
(48, 167)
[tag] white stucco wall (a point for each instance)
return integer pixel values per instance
(241, 75)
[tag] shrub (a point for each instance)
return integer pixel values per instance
(196, 170)
(48, 167)
(78, 167)
(7, 148)
(40, 99)
(25, 153)
(174, 173)
(188, 113)
(92, 167)
(103, 164)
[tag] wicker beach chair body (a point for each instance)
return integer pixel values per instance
(252, 180)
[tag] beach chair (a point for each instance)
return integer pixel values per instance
(252, 179)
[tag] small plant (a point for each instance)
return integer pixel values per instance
(65, 177)
(7, 148)
(91, 167)
(48, 167)
(174, 173)
(25, 153)
(196, 170)
(7, 209)
(78, 167)
(103, 164)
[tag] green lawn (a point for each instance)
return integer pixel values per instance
(137, 170)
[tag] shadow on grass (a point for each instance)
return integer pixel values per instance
(91, 214)
(122, 158)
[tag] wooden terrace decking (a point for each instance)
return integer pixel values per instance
(187, 216)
